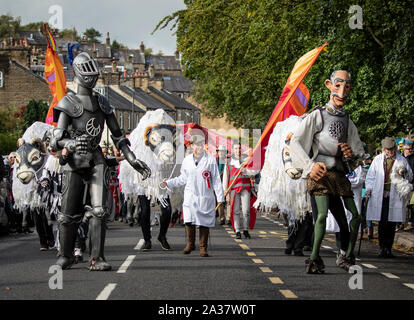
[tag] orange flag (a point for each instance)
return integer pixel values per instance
(293, 101)
(54, 75)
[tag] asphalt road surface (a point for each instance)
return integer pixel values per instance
(246, 269)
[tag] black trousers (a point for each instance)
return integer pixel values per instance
(386, 229)
(298, 233)
(44, 230)
(165, 218)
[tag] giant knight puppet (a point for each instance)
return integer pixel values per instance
(80, 121)
(326, 145)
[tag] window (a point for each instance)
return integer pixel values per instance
(1, 79)
(129, 121)
(121, 120)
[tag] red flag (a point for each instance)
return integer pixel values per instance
(54, 75)
(292, 101)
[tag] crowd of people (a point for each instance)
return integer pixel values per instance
(82, 184)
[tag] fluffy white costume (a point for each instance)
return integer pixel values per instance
(26, 195)
(276, 188)
(130, 180)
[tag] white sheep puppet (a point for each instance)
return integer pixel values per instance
(280, 184)
(155, 141)
(31, 158)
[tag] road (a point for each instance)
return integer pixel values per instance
(246, 269)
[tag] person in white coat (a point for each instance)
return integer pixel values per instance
(201, 178)
(385, 204)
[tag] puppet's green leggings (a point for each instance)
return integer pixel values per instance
(322, 204)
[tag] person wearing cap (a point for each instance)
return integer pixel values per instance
(201, 178)
(385, 205)
(221, 163)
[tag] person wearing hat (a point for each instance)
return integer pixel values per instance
(385, 205)
(221, 162)
(201, 178)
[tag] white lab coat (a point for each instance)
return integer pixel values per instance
(375, 183)
(357, 178)
(199, 206)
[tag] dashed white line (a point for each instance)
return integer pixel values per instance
(105, 293)
(390, 275)
(409, 285)
(123, 268)
(370, 266)
(139, 244)
(327, 247)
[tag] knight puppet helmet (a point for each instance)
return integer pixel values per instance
(86, 70)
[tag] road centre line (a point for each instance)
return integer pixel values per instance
(390, 275)
(370, 266)
(123, 268)
(139, 244)
(409, 285)
(105, 293)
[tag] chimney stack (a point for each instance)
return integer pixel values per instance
(142, 47)
(108, 40)
(177, 55)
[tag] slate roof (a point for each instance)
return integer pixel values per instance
(102, 51)
(169, 63)
(119, 102)
(34, 38)
(175, 100)
(124, 54)
(177, 83)
(145, 99)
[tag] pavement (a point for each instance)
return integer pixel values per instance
(405, 239)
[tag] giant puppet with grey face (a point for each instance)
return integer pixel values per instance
(80, 121)
(158, 142)
(326, 145)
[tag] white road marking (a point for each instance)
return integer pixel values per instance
(139, 244)
(390, 275)
(370, 266)
(409, 285)
(327, 247)
(104, 295)
(123, 268)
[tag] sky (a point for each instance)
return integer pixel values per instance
(127, 21)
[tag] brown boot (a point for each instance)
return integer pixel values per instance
(204, 231)
(190, 231)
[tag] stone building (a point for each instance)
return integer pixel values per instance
(18, 84)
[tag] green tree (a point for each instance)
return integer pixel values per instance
(11, 128)
(117, 46)
(92, 35)
(35, 26)
(35, 110)
(9, 26)
(240, 54)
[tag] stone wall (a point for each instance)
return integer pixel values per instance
(20, 85)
